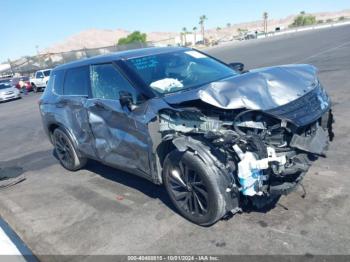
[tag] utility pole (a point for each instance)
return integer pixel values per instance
(11, 68)
(38, 55)
(265, 17)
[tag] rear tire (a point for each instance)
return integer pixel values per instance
(66, 152)
(193, 188)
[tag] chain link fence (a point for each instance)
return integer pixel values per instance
(29, 64)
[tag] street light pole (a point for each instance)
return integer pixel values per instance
(265, 16)
(11, 68)
(38, 55)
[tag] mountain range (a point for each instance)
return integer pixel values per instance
(93, 38)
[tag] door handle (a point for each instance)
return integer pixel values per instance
(99, 105)
(62, 103)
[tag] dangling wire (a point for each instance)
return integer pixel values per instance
(304, 191)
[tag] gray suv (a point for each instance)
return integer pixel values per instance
(216, 136)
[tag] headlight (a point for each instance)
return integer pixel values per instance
(322, 97)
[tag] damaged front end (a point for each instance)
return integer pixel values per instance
(260, 154)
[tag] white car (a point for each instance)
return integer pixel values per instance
(40, 79)
(8, 92)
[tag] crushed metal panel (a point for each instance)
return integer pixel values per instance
(75, 119)
(117, 139)
(259, 89)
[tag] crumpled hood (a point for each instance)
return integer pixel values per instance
(259, 89)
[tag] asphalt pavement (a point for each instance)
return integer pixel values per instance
(100, 210)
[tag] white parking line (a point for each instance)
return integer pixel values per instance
(7, 247)
(12, 246)
(322, 52)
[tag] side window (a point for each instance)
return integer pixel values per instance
(39, 75)
(76, 81)
(56, 82)
(47, 72)
(107, 82)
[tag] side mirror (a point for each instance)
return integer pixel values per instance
(237, 66)
(126, 100)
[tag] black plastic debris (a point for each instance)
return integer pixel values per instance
(316, 144)
(10, 176)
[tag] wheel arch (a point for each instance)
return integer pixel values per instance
(203, 151)
(54, 125)
(206, 154)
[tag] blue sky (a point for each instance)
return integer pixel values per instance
(27, 23)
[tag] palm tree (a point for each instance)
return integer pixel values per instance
(265, 16)
(194, 35)
(184, 30)
(201, 22)
(182, 38)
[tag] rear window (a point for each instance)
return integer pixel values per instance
(5, 85)
(5, 80)
(76, 81)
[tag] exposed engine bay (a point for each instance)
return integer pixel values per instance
(265, 153)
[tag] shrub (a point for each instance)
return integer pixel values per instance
(302, 20)
(135, 36)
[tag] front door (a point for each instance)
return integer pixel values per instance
(118, 138)
(39, 79)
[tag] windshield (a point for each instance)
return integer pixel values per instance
(47, 72)
(5, 85)
(177, 71)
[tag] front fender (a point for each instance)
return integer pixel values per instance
(207, 155)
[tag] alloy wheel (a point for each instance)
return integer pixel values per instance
(64, 151)
(188, 190)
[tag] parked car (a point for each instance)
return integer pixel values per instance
(40, 80)
(216, 136)
(16, 82)
(8, 91)
(5, 80)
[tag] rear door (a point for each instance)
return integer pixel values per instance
(119, 138)
(71, 106)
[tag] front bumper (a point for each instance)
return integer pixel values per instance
(316, 144)
(10, 97)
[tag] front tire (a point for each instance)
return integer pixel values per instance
(66, 152)
(35, 88)
(193, 188)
